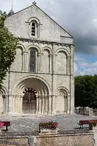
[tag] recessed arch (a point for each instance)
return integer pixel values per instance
(3, 91)
(62, 100)
(19, 45)
(47, 48)
(35, 19)
(62, 88)
(3, 100)
(64, 50)
(46, 55)
(14, 92)
(17, 65)
(61, 62)
(34, 46)
(30, 103)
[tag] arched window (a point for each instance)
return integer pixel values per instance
(33, 60)
(33, 29)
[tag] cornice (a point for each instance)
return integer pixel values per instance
(45, 42)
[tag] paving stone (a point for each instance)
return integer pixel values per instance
(31, 123)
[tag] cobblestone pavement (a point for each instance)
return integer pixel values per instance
(31, 123)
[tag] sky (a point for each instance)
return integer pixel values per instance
(79, 18)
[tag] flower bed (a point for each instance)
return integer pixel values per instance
(48, 125)
(48, 128)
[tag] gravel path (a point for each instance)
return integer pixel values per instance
(31, 123)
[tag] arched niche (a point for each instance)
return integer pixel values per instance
(62, 101)
(61, 62)
(17, 65)
(3, 100)
(46, 61)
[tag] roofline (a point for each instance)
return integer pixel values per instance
(55, 22)
(45, 14)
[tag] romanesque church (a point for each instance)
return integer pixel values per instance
(41, 79)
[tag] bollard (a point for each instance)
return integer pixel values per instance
(31, 140)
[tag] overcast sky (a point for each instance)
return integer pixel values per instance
(79, 18)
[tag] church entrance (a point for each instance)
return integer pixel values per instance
(29, 101)
(32, 97)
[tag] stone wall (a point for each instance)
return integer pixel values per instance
(66, 140)
(59, 140)
(14, 141)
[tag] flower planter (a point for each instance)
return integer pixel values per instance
(92, 128)
(49, 131)
(48, 128)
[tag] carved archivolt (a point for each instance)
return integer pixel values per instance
(3, 91)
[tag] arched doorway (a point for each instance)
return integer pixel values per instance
(32, 96)
(29, 100)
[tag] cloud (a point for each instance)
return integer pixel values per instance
(84, 67)
(79, 17)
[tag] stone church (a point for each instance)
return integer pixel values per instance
(41, 79)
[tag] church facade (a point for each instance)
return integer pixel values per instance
(41, 79)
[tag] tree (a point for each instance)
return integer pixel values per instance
(8, 45)
(86, 91)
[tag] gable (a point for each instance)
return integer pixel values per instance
(49, 30)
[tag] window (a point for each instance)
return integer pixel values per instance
(33, 29)
(33, 60)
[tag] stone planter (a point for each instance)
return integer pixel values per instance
(48, 131)
(92, 128)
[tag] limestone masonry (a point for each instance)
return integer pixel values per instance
(41, 79)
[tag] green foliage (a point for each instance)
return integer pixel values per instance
(7, 48)
(86, 91)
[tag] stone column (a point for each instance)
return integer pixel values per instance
(45, 104)
(68, 66)
(39, 63)
(21, 104)
(18, 102)
(26, 61)
(37, 104)
(53, 104)
(69, 104)
(72, 79)
(42, 104)
(72, 95)
(10, 103)
(49, 104)
(13, 103)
